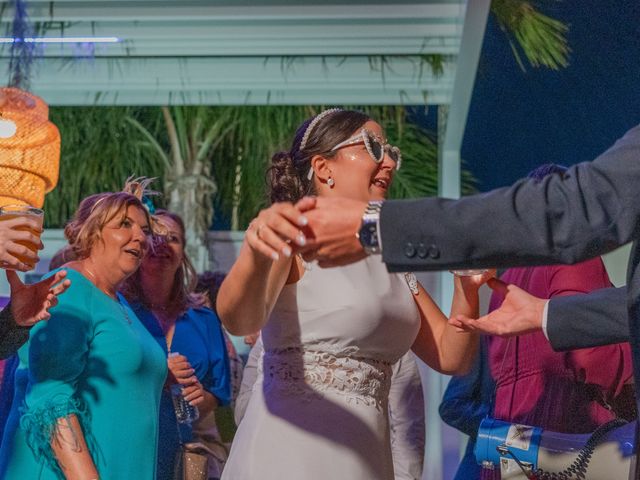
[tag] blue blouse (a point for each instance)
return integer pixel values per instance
(198, 336)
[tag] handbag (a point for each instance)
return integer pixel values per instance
(207, 436)
(192, 462)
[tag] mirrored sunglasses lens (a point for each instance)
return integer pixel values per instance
(377, 150)
(394, 154)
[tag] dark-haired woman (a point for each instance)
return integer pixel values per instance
(161, 294)
(330, 335)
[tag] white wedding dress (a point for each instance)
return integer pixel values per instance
(320, 411)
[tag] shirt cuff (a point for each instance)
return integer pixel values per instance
(545, 311)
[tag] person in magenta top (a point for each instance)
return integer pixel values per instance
(559, 391)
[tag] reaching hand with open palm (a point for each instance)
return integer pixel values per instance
(519, 313)
(31, 303)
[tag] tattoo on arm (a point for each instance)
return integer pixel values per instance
(72, 439)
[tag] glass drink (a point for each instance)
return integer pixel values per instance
(14, 211)
(469, 272)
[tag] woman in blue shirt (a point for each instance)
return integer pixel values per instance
(161, 294)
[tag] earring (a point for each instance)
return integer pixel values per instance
(330, 182)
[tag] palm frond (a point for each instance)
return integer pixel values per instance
(150, 140)
(541, 38)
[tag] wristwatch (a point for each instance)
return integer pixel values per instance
(369, 234)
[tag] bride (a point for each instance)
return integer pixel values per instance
(330, 335)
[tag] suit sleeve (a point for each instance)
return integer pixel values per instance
(590, 211)
(581, 321)
(609, 367)
(12, 336)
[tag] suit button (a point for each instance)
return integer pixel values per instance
(434, 251)
(422, 250)
(409, 250)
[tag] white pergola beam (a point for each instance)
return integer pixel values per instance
(243, 80)
(188, 11)
(210, 39)
(335, 46)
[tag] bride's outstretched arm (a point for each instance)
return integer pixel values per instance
(251, 288)
(440, 345)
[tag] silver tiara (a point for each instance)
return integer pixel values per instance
(314, 122)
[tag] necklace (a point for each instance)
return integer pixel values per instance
(94, 280)
(124, 310)
(162, 308)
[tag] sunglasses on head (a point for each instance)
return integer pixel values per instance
(374, 146)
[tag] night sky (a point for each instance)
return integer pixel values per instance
(519, 120)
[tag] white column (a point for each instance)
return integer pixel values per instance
(452, 122)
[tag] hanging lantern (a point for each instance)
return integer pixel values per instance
(29, 148)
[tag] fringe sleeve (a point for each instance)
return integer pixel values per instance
(40, 425)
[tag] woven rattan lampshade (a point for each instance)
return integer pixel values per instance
(30, 159)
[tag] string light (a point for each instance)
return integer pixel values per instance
(62, 40)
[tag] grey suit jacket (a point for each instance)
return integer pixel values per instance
(593, 210)
(582, 321)
(12, 336)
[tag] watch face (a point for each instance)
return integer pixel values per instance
(368, 235)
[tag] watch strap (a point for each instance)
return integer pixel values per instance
(371, 222)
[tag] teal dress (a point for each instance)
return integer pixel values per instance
(92, 358)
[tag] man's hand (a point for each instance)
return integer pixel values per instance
(31, 303)
(519, 313)
(332, 230)
(12, 231)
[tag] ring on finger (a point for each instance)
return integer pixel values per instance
(258, 230)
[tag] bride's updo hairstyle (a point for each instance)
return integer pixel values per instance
(288, 177)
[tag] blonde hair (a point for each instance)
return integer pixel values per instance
(183, 293)
(95, 211)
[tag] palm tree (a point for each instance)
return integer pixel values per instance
(194, 135)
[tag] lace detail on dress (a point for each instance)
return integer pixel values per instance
(309, 374)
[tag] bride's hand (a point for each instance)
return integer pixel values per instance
(472, 283)
(276, 230)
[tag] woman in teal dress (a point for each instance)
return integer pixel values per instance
(87, 389)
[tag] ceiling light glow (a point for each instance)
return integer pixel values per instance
(8, 128)
(62, 40)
